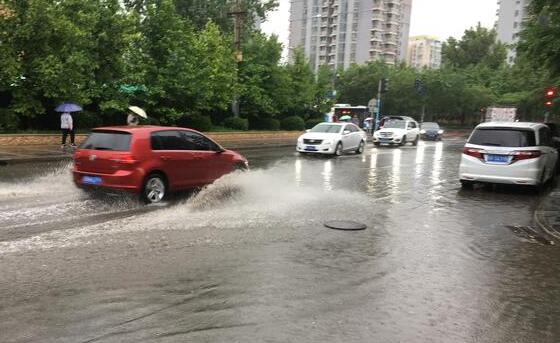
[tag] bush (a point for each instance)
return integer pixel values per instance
(256, 123)
(293, 123)
(87, 120)
(237, 123)
(312, 122)
(195, 121)
(9, 121)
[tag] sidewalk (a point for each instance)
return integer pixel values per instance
(46, 147)
(547, 214)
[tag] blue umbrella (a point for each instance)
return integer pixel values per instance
(68, 107)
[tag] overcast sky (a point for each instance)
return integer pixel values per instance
(440, 18)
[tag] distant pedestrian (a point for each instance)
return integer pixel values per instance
(134, 115)
(132, 119)
(67, 128)
(355, 120)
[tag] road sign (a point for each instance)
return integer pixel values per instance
(372, 104)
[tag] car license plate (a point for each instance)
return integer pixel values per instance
(310, 148)
(497, 158)
(91, 180)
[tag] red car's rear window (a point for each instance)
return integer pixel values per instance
(108, 140)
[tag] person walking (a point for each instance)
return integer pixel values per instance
(132, 119)
(134, 115)
(67, 128)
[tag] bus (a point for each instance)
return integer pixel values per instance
(341, 110)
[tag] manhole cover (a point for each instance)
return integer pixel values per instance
(345, 225)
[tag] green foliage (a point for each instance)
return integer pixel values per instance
(195, 121)
(478, 46)
(312, 122)
(540, 40)
(292, 123)
(263, 123)
(237, 123)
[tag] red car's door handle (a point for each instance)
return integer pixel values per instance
(165, 158)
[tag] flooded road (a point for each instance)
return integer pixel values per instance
(248, 258)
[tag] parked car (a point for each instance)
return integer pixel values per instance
(151, 160)
(397, 130)
(430, 131)
(510, 153)
(332, 138)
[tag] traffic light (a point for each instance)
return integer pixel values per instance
(384, 85)
(549, 96)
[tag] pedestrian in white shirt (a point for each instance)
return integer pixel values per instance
(67, 127)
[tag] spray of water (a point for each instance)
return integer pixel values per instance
(56, 182)
(255, 200)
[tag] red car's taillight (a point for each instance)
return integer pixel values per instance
(525, 155)
(126, 160)
(473, 152)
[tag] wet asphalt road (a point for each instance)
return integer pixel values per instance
(248, 259)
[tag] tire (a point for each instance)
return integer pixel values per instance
(360, 148)
(338, 149)
(154, 189)
(540, 187)
(465, 184)
(403, 142)
(415, 143)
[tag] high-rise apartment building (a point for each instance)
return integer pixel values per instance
(424, 51)
(341, 32)
(511, 15)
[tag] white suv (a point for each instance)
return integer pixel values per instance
(397, 131)
(514, 153)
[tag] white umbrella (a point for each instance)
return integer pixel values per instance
(138, 111)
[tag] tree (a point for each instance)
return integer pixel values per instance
(302, 86)
(540, 40)
(477, 46)
(64, 51)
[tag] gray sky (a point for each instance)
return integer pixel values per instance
(440, 18)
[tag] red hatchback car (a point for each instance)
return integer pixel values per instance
(151, 160)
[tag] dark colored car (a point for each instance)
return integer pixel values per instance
(151, 160)
(430, 131)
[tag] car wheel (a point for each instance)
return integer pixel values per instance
(360, 148)
(403, 142)
(155, 189)
(416, 141)
(338, 149)
(467, 184)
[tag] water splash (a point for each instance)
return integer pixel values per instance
(54, 182)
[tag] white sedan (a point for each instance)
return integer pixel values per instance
(513, 153)
(332, 138)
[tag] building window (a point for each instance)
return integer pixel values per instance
(516, 13)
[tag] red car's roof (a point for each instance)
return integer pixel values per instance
(142, 128)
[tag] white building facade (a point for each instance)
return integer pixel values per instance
(424, 52)
(511, 15)
(339, 33)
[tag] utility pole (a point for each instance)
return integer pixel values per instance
(238, 14)
(378, 107)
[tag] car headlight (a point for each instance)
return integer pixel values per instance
(300, 140)
(422, 131)
(440, 132)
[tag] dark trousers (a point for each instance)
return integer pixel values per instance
(65, 133)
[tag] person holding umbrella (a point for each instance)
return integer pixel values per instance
(67, 123)
(134, 116)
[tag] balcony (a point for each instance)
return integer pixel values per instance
(376, 38)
